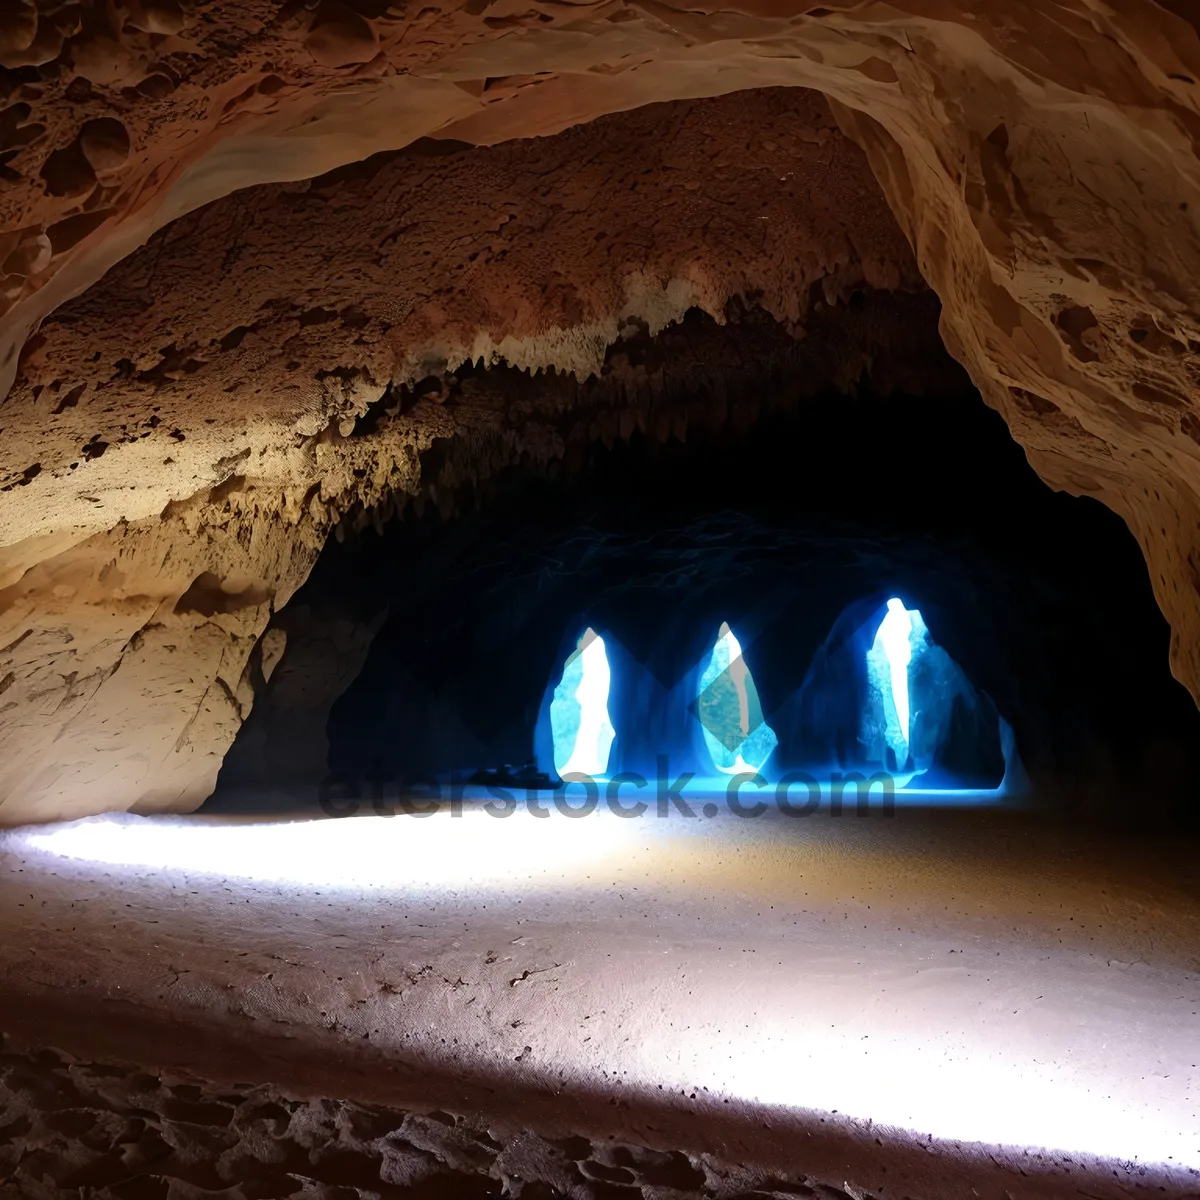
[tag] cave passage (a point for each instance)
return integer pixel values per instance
(767, 574)
(410, 408)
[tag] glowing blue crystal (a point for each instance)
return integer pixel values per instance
(579, 722)
(738, 739)
(900, 638)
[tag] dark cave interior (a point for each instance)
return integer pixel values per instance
(792, 516)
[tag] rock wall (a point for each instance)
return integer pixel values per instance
(322, 649)
(1040, 157)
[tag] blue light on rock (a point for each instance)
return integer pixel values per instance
(738, 739)
(899, 639)
(892, 638)
(579, 722)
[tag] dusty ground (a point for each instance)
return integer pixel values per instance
(917, 1006)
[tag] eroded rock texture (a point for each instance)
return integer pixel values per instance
(1039, 156)
(114, 1132)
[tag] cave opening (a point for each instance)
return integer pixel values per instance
(838, 531)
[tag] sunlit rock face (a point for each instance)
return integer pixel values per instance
(1039, 157)
(248, 338)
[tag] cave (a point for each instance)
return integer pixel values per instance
(456, 615)
(599, 601)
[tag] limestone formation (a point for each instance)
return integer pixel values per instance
(170, 475)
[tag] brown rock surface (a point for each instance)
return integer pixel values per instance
(1040, 157)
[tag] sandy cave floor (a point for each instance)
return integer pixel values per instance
(918, 1005)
